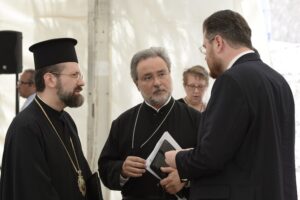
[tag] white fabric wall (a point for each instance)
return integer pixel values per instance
(175, 25)
(125, 26)
(136, 25)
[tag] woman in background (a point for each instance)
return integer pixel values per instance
(195, 83)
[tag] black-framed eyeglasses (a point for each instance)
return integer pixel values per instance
(77, 75)
(24, 82)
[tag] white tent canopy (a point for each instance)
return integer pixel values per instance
(109, 32)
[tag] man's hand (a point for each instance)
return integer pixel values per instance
(133, 166)
(170, 158)
(171, 183)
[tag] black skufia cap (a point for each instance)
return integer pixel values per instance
(54, 51)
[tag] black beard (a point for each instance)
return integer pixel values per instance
(69, 99)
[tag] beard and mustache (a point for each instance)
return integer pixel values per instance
(70, 99)
(215, 65)
(159, 97)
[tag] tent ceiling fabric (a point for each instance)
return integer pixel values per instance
(109, 32)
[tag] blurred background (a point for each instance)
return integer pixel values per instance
(109, 32)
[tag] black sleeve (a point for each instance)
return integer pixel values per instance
(25, 172)
(110, 162)
(222, 130)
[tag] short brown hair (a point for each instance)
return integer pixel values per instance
(198, 71)
(230, 25)
(39, 76)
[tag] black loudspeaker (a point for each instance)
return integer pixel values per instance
(10, 52)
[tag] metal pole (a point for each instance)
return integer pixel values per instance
(17, 94)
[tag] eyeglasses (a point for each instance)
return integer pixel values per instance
(202, 49)
(194, 87)
(24, 82)
(77, 75)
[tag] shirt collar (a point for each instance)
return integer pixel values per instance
(31, 97)
(157, 110)
(237, 57)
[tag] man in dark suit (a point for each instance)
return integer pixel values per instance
(246, 147)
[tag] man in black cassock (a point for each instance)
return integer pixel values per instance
(43, 158)
(134, 133)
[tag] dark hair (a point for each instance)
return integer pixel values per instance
(148, 53)
(230, 25)
(39, 75)
(198, 71)
(31, 72)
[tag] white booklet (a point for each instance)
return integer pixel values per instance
(171, 143)
(149, 160)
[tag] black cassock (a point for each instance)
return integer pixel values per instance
(35, 165)
(182, 124)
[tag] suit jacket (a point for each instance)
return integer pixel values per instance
(246, 146)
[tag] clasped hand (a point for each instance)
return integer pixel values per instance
(133, 166)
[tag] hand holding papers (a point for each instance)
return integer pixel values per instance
(157, 157)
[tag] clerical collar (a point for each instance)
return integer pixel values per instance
(157, 110)
(237, 57)
(48, 109)
(168, 105)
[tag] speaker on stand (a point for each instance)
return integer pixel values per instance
(11, 56)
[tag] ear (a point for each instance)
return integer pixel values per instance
(50, 80)
(219, 43)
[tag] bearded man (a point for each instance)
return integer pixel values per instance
(42, 157)
(246, 149)
(134, 134)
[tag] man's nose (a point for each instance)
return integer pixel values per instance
(81, 82)
(157, 80)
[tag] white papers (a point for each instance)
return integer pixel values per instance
(170, 139)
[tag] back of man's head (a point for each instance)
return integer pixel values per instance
(231, 26)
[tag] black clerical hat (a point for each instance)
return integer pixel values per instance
(54, 51)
